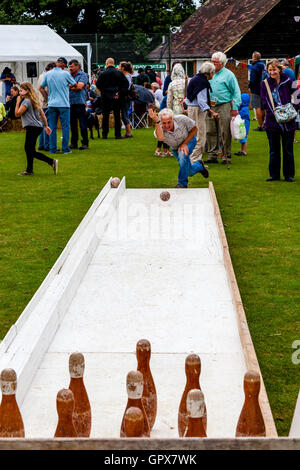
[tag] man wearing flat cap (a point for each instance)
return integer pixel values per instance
(57, 81)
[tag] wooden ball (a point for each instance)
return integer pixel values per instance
(165, 195)
(115, 182)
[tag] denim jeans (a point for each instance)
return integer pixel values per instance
(44, 138)
(64, 115)
(288, 165)
(125, 112)
(186, 168)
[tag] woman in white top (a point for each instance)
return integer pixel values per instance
(127, 69)
(176, 89)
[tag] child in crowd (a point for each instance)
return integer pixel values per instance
(166, 149)
(158, 152)
(244, 113)
(33, 118)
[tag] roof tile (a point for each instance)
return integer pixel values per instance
(215, 26)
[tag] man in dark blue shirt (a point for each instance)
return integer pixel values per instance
(78, 97)
(254, 86)
(113, 86)
(9, 79)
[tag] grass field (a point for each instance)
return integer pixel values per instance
(262, 223)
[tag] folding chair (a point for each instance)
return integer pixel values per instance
(138, 115)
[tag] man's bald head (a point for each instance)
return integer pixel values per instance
(109, 62)
(256, 56)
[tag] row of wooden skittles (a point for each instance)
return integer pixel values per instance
(74, 411)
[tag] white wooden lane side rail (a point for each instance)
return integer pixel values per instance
(28, 339)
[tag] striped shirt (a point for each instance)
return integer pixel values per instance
(182, 126)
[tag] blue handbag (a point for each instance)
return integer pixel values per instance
(283, 112)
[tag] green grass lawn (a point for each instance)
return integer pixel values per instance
(262, 223)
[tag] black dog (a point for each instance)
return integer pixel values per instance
(93, 117)
(92, 121)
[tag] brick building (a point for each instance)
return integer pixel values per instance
(236, 28)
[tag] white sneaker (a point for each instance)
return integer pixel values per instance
(55, 166)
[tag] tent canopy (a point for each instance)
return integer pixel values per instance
(20, 43)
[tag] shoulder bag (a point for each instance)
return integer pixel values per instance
(284, 112)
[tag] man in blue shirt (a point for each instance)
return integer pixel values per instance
(57, 81)
(225, 98)
(78, 95)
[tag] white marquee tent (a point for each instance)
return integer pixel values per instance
(20, 44)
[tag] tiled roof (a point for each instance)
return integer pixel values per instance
(216, 26)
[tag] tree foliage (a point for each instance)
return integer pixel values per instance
(98, 16)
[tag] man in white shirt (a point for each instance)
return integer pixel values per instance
(157, 92)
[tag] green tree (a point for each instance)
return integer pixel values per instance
(101, 16)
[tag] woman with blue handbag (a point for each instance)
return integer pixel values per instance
(276, 96)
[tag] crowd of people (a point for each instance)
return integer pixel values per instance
(191, 116)
(65, 93)
(200, 112)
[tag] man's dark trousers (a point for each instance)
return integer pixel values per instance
(77, 113)
(107, 106)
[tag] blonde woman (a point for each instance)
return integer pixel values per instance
(33, 117)
(176, 89)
